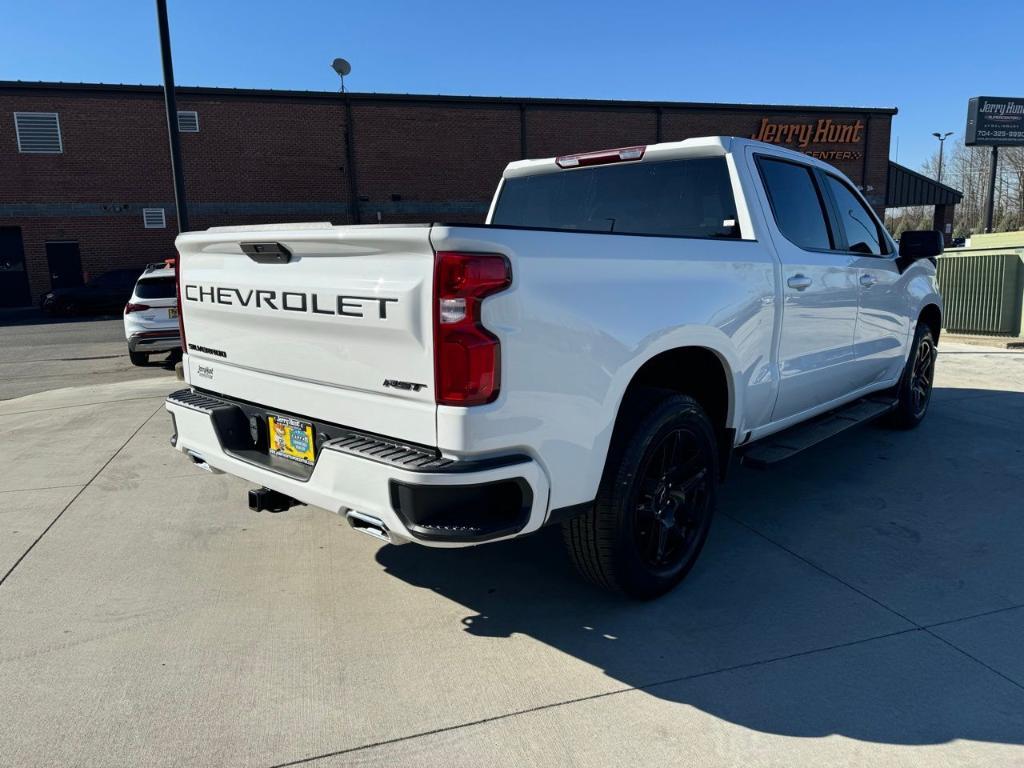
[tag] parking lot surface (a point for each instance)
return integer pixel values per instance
(860, 604)
(39, 354)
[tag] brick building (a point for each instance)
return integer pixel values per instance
(85, 180)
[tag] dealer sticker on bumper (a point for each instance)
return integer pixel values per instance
(291, 439)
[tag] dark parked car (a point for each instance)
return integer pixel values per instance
(106, 293)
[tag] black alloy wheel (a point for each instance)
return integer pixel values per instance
(656, 499)
(914, 391)
(922, 374)
(673, 500)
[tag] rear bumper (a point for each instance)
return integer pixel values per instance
(154, 341)
(417, 494)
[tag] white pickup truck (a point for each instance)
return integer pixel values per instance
(592, 356)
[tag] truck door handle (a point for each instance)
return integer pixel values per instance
(868, 280)
(799, 282)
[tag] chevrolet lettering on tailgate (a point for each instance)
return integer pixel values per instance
(291, 301)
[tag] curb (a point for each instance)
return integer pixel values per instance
(1003, 342)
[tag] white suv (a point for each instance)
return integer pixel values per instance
(151, 315)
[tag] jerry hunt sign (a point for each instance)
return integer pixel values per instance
(820, 132)
(995, 121)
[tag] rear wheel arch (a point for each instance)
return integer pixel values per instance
(697, 371)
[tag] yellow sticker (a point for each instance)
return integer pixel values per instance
(291, 439)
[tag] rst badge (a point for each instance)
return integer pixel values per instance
(409, 386)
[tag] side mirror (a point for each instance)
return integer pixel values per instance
(921, 244)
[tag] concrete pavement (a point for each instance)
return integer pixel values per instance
(39, 354)
(861, 604)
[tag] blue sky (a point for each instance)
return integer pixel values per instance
(925, 58)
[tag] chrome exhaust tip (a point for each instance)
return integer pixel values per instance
(369, 525)
(199, 461)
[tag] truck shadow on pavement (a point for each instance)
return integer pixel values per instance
(820, 602)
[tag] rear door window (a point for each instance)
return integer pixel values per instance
(863, 233)
(155, 288)
(797, 204)
(680, 198)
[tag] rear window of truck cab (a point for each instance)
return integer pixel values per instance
(674, 198)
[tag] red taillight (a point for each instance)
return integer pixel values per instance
(129, 308)
(601, 157)
(177, 293)
(467, 357)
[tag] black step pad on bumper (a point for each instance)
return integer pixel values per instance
(231, 421)
(470, 513)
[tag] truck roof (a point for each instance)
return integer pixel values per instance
(703, 146)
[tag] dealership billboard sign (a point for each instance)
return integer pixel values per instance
(994, 121)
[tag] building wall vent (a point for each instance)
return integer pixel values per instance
(38, 133)
(154, 218)
(188, 122)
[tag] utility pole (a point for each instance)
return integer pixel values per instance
(942, 142)
(180, 203)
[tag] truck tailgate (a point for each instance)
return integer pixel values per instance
(315, 321)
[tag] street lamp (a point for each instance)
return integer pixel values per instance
(942, 141)
(171, 106)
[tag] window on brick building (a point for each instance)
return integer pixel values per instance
(154, 218)
(188, 122)
(38, 133)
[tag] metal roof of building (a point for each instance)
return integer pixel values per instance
(907, 187)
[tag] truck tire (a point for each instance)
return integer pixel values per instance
(656, 499)
(914, 391)
(139, 358)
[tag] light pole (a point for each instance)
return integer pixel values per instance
(171, 105)
(942, 141)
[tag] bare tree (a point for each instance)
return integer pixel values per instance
(967, 169)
